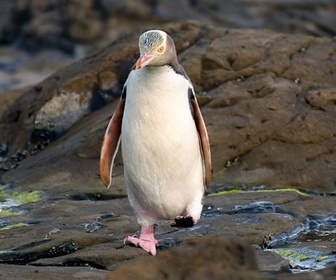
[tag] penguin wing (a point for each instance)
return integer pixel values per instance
(203, 136)
(111, 142)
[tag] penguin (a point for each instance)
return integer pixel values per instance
(164, 141)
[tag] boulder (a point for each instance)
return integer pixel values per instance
(268, 100)
(36, 24)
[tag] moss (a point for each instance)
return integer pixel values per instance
(9, 213)
(285, 190)
(9, 198)
(19, 197)
(293, 254)
(235, 191)
(27, 197)
(321, 258)
(18, 225)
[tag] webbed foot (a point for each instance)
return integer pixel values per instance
(146, 240)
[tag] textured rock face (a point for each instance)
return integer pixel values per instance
(36, 24)
(268, 100)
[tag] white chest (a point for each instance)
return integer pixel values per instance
(157, 92)
(157, 106)
(160, 145)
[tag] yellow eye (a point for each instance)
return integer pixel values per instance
(160, 49)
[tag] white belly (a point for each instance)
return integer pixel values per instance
(160, 146)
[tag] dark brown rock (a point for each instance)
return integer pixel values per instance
(60, 24)
(202, 258)
(270, 120)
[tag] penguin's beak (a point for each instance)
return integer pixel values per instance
(144, 60)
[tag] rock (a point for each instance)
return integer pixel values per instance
(201, 258)
(271, 126)
(212, 257)
(39, 273)
(270, 120)
(56, 231)
(37, 25)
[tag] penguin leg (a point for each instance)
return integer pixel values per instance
(146, 240)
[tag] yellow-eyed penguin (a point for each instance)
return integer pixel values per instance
(165, 145)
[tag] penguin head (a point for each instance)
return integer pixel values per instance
(157, 48)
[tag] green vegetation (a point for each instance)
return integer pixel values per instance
(9, 213)
(321, 258)
(26, 197)
(18, 225)
(19, 198)
(295, 255)
(10, 199)
(234, 191)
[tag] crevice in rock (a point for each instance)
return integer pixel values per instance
(22, 258)
(80, 262)
(95, 196)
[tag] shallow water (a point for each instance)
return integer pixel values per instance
(307, 246)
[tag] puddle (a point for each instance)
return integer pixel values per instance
(256, 207)
(97, 223)
(308, 246)
(210, 211)
(319, 228)
(21, 258)
(315, 228)
(305, 259)
(305, 238)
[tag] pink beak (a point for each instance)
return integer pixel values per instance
(144, 60)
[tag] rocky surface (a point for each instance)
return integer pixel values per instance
(46, 35)
(230, 259)
(268, 100)
(83, 233)
(37, 24)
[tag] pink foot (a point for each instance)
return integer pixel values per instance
(146, 240)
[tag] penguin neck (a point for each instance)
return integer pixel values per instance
(156, 87)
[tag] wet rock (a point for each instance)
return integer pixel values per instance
(269, 261)
(87, 230)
